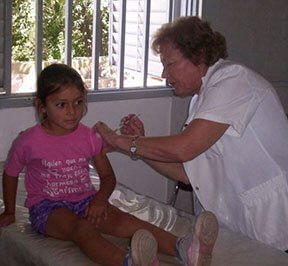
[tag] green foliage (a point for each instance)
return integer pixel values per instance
(53, 29)
(83, 31)
(82, 28)
(105, 30)
(23, 29)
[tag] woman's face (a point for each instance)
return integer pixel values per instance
(180, 72)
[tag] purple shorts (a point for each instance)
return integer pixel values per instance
(39, 212)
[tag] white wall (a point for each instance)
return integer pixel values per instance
(155, 113)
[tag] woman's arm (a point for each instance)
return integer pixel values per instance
(197, 137)
(174, 171)
(10, 184)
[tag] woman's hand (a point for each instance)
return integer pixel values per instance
(96, 212)
(132, 125)
(6, 219)
(108, 135)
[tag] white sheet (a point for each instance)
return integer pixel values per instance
(19, 245)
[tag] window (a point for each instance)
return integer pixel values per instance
(107, 41)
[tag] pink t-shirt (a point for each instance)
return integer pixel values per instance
(57, 167)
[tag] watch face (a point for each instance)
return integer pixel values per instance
(133, 149)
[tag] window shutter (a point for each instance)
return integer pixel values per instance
(135, 33)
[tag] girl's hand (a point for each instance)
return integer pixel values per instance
(97, 211)
(6, 219)
(132, 125)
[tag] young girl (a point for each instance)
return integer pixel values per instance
(61, 199)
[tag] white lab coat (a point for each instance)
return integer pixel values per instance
(243, 177)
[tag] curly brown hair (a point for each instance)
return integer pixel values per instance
(194, 38)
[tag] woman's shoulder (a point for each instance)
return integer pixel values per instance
(226, 67)
(226, 70)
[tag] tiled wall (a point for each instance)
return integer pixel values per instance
(257, 35)
(1, 42)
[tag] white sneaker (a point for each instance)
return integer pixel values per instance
(144, 248)
(196, 248)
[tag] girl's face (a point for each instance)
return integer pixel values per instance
(180, 72)
(64, 110)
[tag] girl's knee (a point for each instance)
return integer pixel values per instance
(83, 230)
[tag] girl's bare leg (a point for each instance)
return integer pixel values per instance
(122, 224)
(65, 225)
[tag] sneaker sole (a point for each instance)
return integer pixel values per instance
(144, 249)
(206, 230)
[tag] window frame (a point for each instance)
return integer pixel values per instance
(8, 100)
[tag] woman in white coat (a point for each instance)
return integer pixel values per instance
(234, 147)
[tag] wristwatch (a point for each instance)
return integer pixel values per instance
(133, 148)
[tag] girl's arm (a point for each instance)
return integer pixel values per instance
(106, 175)
(98, 207)
(9, 184)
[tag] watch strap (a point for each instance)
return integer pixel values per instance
(133, 148)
